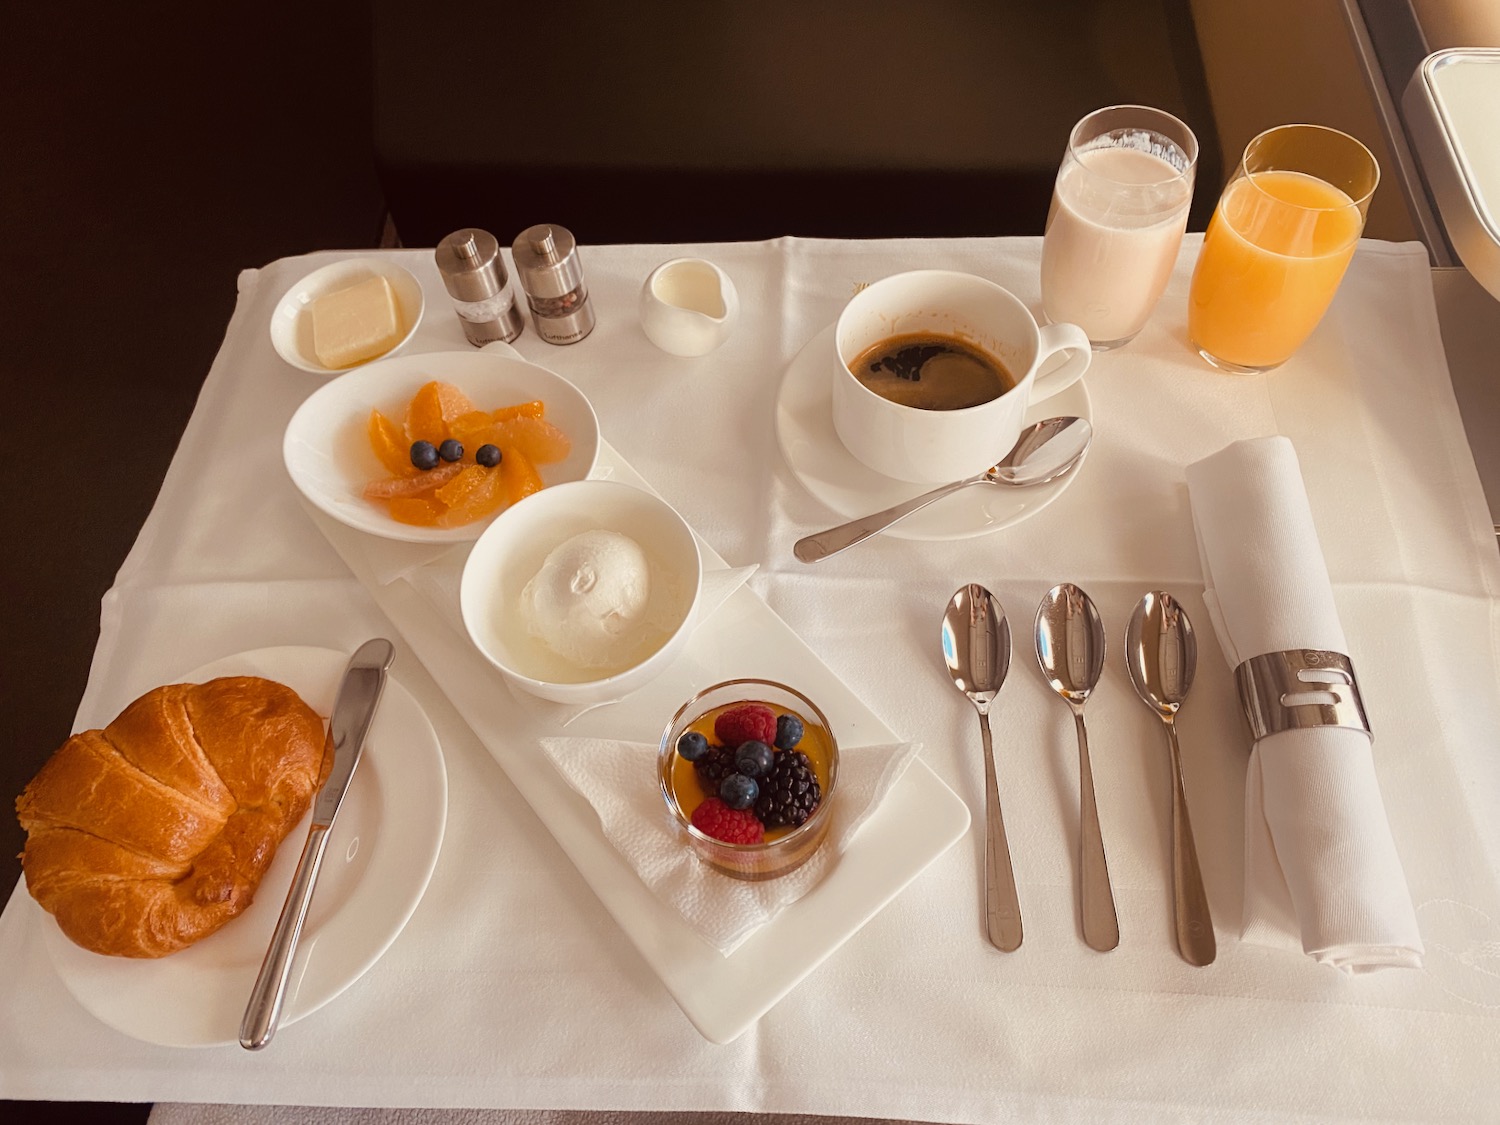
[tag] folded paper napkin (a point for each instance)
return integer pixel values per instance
(619, 780)
(1320, 863)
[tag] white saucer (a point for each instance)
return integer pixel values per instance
(819, 461)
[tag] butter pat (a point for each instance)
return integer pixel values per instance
(355, 324)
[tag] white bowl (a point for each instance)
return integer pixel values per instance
(327, 448)
(513, 549)
(291, 323)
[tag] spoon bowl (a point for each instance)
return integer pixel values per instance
(1070, 651)
(1161, 652)
(1161, 655)
(1045, 451)
(976, 648)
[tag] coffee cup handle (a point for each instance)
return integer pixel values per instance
(1052, 377)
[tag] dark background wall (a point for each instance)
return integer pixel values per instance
(148, 152)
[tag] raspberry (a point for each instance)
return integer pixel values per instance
(734, 826)
(751, 722)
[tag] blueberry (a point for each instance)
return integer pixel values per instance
(738, 791)
(788, 731)
(450, 450)
(690, 746)
(754, 759)
(488, 455)
(424, 455)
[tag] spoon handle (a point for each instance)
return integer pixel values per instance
(1195, 928)
(1002, 906)
(816, 548)
(1101, 927)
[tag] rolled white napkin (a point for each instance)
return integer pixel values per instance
(1321, 868)
(619, 780)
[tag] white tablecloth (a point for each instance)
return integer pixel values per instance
(511, 987)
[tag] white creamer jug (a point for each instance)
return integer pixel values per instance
(688, 306)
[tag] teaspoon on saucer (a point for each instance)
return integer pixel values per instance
(1162, 655)
(976, 647)
(1045, 451)
(1070, 650)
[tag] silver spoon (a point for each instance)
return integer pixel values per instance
(1070, 649)
(976, 646)
(1043, 452)
(1161, 654)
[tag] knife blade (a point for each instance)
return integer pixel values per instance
(353, 711)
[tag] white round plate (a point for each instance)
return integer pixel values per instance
(380, 856)
(327, 447)
(819, 461)
(291, 324)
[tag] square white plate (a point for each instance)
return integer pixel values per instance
(722, 995)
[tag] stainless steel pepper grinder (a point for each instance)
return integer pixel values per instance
(474, 275)
(551, 276)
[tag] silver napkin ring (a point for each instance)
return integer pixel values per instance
(1298, 689)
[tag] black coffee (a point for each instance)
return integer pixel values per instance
(931, 372)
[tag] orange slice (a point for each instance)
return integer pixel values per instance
(520, 476)
(412, 486)
(416, 510)
(486, 498)
(534, 409)
(431, 410)
(466, 427)
(457, 490)
(390, 445)
(541, 442)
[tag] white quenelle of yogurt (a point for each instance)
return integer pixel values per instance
(597, 602)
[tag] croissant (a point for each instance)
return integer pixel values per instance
(154, 832)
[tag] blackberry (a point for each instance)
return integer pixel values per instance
(715, 764)
(790, 793)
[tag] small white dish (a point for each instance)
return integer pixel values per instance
(384, 848)
(821, 464)
(688, 306)
(327, 448)
(514, 547)
(291, 323)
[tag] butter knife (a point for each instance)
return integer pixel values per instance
(353, 709)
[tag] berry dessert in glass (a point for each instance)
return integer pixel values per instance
(748, 769)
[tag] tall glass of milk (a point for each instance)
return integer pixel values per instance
(1118, 212)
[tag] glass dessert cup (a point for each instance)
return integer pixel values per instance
(784, 849)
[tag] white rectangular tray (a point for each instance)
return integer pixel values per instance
(721, 995)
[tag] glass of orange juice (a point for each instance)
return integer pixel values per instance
(1277, 246)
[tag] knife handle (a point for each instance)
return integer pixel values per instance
(263, 1013)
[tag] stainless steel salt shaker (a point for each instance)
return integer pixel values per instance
(551, 275)
(474, 275)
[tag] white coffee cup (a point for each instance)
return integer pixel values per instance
(928, 446)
